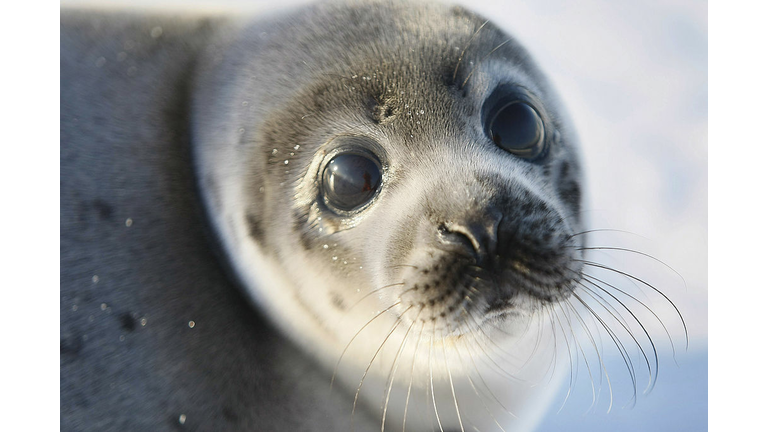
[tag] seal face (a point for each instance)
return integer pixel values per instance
(399, 170)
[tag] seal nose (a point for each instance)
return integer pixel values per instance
(477, 234)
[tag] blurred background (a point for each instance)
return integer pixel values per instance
(633, 76)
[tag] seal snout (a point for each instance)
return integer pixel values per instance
(501, 258)
(475, 235)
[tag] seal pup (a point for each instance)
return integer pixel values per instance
(406, 176)
(395, 186)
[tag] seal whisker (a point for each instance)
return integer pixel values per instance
(652, 383)
(602, 230)
(361, 299)
(599, 358)
(602, 302)
(619, 346)
(581, 350)
(483, 59)
(570, 355)
(669, 336)
(431, 379)
(360, 386)
(482, 380)
(679, 314)
(393, 369)
(336, 369)
(500, 370)
(474, 388)
(453, 390)
(638, 253)
(410, 381)
(461, 56)
(479, 327)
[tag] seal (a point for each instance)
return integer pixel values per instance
(390, 182)
(394, 186)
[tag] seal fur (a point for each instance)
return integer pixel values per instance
(268, 98)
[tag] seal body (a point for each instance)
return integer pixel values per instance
(423, 295)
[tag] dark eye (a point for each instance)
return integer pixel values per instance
(517, 128)
(350, 180)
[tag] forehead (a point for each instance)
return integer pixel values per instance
(404, 45)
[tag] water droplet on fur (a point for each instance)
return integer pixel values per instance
(143, 322)
(191, 324)
(182, 419)
(274, 151)
(156, 32)
(335, 258)
(128, 222)
(286, 162)
(95, 279)
(325, 246)
(296, 147)
(103, 306)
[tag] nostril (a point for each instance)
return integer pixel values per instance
(472, 238)
(450, 237)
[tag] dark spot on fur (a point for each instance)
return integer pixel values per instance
(338, 301)
(127, 322)
(229, 415)
(70, 348)
(570, 193)
(255, 230)
(105, 210)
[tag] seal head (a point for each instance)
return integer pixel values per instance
(389, 168)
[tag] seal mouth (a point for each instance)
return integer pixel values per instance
(456, 294)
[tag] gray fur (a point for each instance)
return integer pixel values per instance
(125, 154)
(253, 103)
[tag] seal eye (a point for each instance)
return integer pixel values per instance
(350, 180)
(517, 128)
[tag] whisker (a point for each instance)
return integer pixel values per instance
(619, 345)
(461, 56)
(453, 391)
(360, 386)
(410, 382)
(583, 355)
(483, 59)
(336, 369)
(647, 335)
(639, 253)
(599, 358)
(570, 355)
(603, 230)
(393, 370)
(377, 290)
(669, 336)
(431, 380)
(682, 320)
(651, 378)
